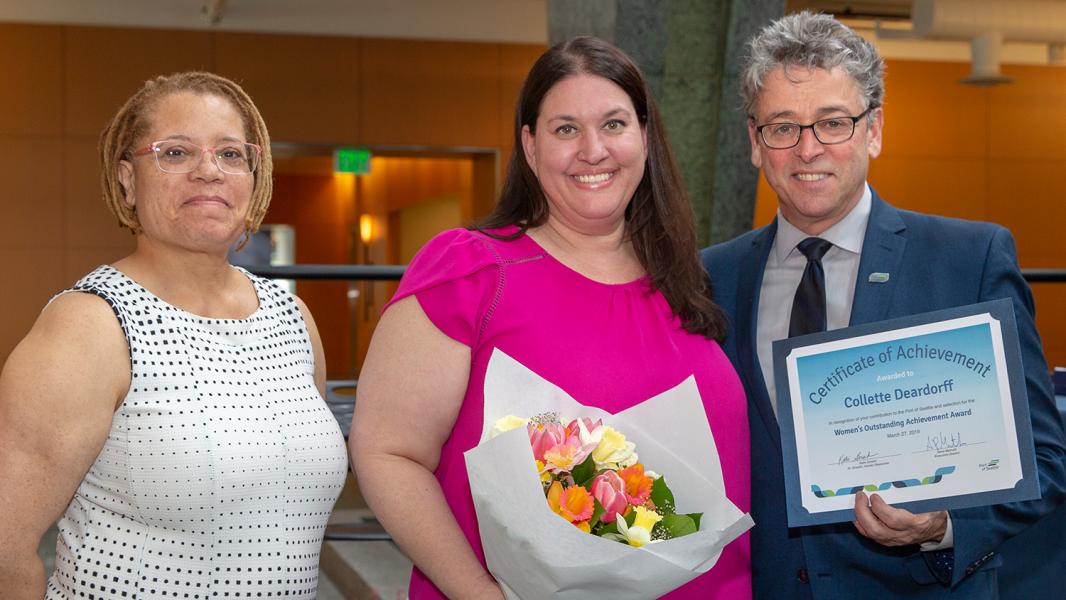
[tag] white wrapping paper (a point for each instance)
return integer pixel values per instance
(534, 553)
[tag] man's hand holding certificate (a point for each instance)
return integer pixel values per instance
(928, 411)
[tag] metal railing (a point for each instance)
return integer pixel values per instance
(1044, 275)
(332, 272)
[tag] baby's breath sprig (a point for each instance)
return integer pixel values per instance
(547, 418)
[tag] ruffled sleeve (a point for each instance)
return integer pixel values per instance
(455, 278)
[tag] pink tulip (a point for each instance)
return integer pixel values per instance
(590, 425)
(567, 455)
(610, 490)
(544, 438)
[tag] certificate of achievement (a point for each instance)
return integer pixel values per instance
(928, 411)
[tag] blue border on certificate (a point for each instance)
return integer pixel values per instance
(1027, 488)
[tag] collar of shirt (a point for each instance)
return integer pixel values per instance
(847, 234)
(784, 269)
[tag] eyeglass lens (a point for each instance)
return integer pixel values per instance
(180, 157)
(827, 131)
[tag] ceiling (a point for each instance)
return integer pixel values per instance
(510, 21)
(476, 20)
(516, 21)
(884, 9)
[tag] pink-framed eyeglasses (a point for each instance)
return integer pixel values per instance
(181, 156)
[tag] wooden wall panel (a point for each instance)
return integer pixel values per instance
(515, 62)
(765, 203)
(32, 276)
(1050, 299)
(412, 180)
(87, 222)
(305, 87)
(33, 212)
(104, 66)
(485, 183)
(31, 59)
(1026, 118)
(953, 187)
(929, 114)
(429, 93)
(1027, 199)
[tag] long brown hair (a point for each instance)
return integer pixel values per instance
(658, 217)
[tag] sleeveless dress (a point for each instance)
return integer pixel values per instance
(609, 346)
(222, 463)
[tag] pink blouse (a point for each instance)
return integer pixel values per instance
(609, 346)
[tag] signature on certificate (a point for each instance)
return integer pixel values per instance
(857, 457)
(942, 441)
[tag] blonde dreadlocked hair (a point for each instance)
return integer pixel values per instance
(130, 124)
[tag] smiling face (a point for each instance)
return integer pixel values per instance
(816, 184)
(588, 153)
(205, 209)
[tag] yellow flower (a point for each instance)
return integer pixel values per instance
(639, 533)
(613, 450)
(545, 475)
(505, 424)
(646, 518)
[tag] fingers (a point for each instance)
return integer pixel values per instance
(893, 518)
(866, 521)
(890, 526)
(862, 513)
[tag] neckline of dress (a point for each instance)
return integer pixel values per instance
(640, 282)
(251, 317)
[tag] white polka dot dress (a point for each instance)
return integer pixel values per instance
(222, 464)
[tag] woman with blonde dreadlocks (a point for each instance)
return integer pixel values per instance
(169, 405)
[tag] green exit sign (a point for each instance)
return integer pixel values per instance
(351, 160)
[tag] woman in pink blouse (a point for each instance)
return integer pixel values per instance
(587, 274)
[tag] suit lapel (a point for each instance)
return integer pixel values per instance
(748, 288)
(882, 255)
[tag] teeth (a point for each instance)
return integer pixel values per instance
(600, 178)
(811, 176)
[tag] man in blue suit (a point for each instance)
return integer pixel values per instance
(839, 255)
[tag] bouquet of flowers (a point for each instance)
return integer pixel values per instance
(591, 478)
(533, 553)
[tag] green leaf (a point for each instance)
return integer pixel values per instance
(608, 529)
(597, 512)
(662, 497)
(695, 519)
(677, 525)
(584, 472)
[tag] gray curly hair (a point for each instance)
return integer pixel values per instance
(814, 41)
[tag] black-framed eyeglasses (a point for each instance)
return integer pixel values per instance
(835, 130)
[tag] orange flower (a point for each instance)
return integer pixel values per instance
(574, 503)
(555, 491)
(638, 485)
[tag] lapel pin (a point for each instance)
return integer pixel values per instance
(878, 277)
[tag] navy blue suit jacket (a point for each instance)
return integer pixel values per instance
(934, 263)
